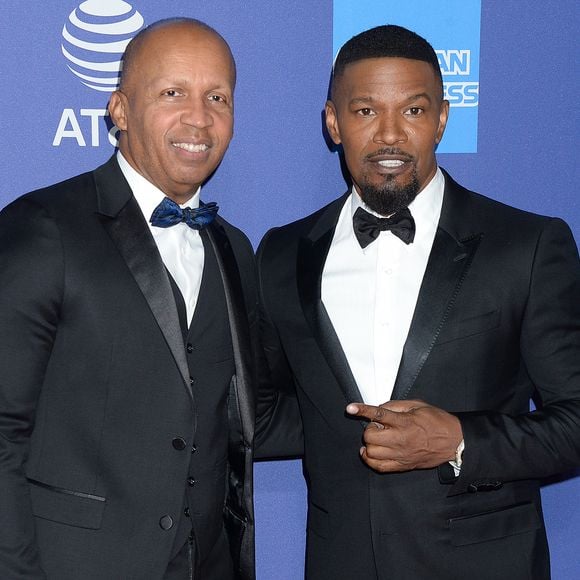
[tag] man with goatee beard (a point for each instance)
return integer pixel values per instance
(418, 318)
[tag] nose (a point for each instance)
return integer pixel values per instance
(196, 113)
(389, 129)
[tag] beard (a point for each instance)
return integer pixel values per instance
(389, 197)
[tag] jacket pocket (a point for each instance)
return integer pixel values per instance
(235, 526)
(517, 519)
(469, 326)
(318, 520)
(66, 506)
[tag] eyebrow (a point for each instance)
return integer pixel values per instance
(362, 100)
(418, 96)
(184, 81)
(370, 100)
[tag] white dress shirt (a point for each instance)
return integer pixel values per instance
(370, 295)
(181, 247)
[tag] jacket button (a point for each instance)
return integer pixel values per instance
(166, 522)
(189, 347)
(191, 380)
(186, 512)
(194, 448)
(190, 481)
(179, 443)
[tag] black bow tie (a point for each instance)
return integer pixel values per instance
(367, 227)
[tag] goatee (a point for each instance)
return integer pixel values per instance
(389, 198)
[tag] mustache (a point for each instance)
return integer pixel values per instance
(390, 151)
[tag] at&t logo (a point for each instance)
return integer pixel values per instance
(93, 41)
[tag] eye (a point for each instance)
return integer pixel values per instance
(414, 111)
(365, 112)
(171, 93)
(215, 98)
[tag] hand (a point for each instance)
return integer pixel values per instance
(406, 435)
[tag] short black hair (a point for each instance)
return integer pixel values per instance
(387, 40)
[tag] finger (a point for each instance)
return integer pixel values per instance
(404, 406)
(358, 409)
(382, 465)
(370, 412)
(382, 452)
(388, 436)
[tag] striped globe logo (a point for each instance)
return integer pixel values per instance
(94, 39)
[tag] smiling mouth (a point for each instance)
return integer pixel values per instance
(390, 158)
(391, 163)
(192, 147)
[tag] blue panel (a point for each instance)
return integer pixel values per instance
(453, 29)
(278, 167)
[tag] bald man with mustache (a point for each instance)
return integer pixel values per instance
(127, 309)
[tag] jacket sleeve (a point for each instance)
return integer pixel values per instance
(545, 441)
(31, 273)
(278, 421)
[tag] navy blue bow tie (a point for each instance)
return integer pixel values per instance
(367, 226)
(168, 213)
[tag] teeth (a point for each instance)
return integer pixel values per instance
(391, 163)
(191, 147)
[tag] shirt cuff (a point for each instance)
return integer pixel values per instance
(458, 461)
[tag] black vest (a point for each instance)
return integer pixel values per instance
(208, 346)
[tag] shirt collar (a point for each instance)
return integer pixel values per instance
(147, 195)
(425, 208)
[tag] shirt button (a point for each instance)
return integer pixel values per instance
(179, 443)
(190, 481)
(166, 522)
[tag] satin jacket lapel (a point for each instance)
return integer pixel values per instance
(124, 222)
(453, 250)
(241, 403)
(239, 326)
(312, 253)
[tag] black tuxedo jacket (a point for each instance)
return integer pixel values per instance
(497, 322)
(97, 417)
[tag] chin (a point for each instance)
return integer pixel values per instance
(389, 196)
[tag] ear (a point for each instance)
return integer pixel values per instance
(443, 116)
(332, 122)
(118, 108)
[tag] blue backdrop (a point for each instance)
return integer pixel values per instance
(524, 150)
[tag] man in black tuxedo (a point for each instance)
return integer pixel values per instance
(126, 403)
(453, 308)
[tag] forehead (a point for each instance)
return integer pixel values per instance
(386, 75)
(183, 51)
